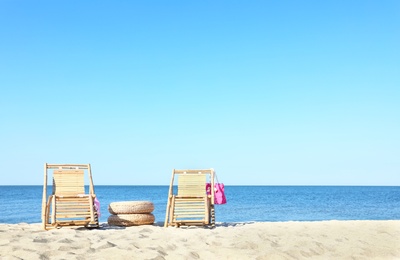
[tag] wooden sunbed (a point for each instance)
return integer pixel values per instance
(68, 204)
(188, 202)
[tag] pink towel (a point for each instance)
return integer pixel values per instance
(97, 206)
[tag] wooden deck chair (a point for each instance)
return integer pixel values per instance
(188, 202)
(68, 204)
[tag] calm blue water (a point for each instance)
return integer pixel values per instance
(245, 203)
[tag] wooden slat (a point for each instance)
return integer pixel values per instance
(67, 166)
(72, 222)
(68, 182)
(191, 185)
(72, 208)
(194, 171)
(190, 210)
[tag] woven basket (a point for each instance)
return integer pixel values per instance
(127, 220)
(130, 207)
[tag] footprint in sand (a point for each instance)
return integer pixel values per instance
(66, 240)
(171, 247)
(162, 252)
(106, 245)
(64, 248)
(4, 242)
(146, 230)
(194, 255)
(158, 258)
(40, 240)
(214, 243)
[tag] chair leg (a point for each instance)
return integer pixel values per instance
(212, 216)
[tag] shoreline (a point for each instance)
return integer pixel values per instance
(332, 239)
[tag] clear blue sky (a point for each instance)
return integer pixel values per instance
(265, 92)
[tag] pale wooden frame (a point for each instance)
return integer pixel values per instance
(46, 203)
(171, 197)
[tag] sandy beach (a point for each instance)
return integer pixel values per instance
(266, 240)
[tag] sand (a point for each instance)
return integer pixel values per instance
(265, 240)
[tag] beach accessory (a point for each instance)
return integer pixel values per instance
(131, 207)
(127, 220)
(97, 206)
(130, 213)
(219, 191)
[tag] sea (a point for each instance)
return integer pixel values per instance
(23, 204)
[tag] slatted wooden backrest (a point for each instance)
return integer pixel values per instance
(68, 182)
(192, 185)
